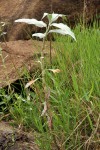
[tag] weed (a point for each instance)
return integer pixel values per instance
(62, 29)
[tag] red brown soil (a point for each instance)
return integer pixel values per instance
(17, 55)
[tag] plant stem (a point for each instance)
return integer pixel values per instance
(42, 64)
(42, 61)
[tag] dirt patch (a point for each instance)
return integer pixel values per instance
(12, 139)
(18, 56)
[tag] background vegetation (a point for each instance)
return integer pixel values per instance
(74, 95)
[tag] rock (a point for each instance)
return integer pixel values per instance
(11, 10)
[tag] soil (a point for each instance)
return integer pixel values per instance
(18, 56)
(14, 139)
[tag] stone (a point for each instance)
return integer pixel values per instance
(10, 10)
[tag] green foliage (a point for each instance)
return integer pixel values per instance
(74, 96)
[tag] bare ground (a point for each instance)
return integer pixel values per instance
(17, 55)
(14, 139)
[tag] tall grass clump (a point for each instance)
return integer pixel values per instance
(76, 90)
(73, 83)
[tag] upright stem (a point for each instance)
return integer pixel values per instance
(45, 88)
(42, 64)
(43, 72)
(42, 60)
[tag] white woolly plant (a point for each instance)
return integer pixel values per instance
(60, 28)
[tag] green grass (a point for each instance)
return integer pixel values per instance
(74, 96)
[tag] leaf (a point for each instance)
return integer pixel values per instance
(65, 28)
(40, 35)
(61, 26)
(63, 32)
(52, 17)
(56, 16)
(37, 23)
(30, 83)
(55, 70)
(44, 15)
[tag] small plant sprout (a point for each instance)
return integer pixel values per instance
(2, 24)
(60, 29)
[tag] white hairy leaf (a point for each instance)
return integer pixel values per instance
(61, 26)
(64, 28)
(35, 22)
(63, 32)
(52, 17)
(40, 35)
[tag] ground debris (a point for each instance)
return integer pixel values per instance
(12, 139)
